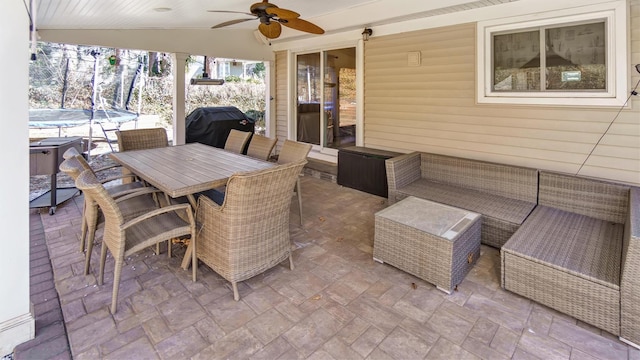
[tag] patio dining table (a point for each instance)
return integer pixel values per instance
(185, 170)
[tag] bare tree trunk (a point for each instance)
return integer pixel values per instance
(153, 58)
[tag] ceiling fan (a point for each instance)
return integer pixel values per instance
(271, 17)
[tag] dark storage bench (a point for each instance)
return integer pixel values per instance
(364, 169)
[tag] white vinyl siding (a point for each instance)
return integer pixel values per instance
(432, 108)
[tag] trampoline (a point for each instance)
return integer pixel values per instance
(61, 118)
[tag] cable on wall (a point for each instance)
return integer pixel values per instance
(633, 93)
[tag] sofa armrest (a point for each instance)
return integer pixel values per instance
(401, 171)
(630, 281)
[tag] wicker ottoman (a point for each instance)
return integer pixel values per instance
(435, 242)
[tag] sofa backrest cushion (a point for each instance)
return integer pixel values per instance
(499, 179)
(593, 198)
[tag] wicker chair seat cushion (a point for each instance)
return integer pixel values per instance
(586, 247)
(489, 205)
(217, 195)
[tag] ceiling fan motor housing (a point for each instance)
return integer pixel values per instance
(271, 16)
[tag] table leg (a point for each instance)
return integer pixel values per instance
(187, 255)
(54, 194)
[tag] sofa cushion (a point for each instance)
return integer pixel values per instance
(499, 207)
(580, 245)
(499, 179)
(589, 197)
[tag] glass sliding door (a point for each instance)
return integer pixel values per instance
(326, 98)
(309, 98)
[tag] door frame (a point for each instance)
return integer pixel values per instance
(319, 151)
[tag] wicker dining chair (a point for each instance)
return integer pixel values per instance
(237, 141)
(249, 232)
(91, 215)
(293, 151)
(75, 165)
(73, 152)
(124, 237)
(261, 147)
(138, 139)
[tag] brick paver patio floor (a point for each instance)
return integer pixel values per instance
(337, 303)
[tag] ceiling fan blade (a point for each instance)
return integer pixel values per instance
(232, 12)
(271, 30)
(230, 22)
(282, 13)
(302, 25)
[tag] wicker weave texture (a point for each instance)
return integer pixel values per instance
(501, 216)
(630, 286)
(73, 167)
(401, 171)
(581, 298)
(261, 147)
(123, 236)
(579, 253)
(249, 232)
(236, 141)
(587, 247)
(598, 199)
(503, 180)
(138, 139)
(70, 152)
(292, 151)
(439, 261)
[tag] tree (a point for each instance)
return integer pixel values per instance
(259, 70)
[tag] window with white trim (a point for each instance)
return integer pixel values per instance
(577, 59)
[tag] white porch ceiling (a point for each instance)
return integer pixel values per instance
(332, 15)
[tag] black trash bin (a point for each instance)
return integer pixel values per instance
(211, 125)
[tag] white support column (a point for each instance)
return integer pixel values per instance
(270, 101)
(179, 130)
(17, 323)
(360, 93)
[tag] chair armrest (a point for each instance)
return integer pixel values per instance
(128, 194)
(166, 209)
(401, 171)
(106, 167)
(206, 201)
(630, 281)
(118, 177)
(206, 205)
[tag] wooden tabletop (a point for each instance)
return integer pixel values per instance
(187, 169)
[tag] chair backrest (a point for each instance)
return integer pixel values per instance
(260, 147)
(85, 164)
(113, 236)
(293, 151)
(253, 199)
(237, 140)
(72, 167)
(71, 152)
(138, 139)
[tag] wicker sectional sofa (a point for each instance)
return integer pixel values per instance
(579, 253)
(568, 242)
(505, 195)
